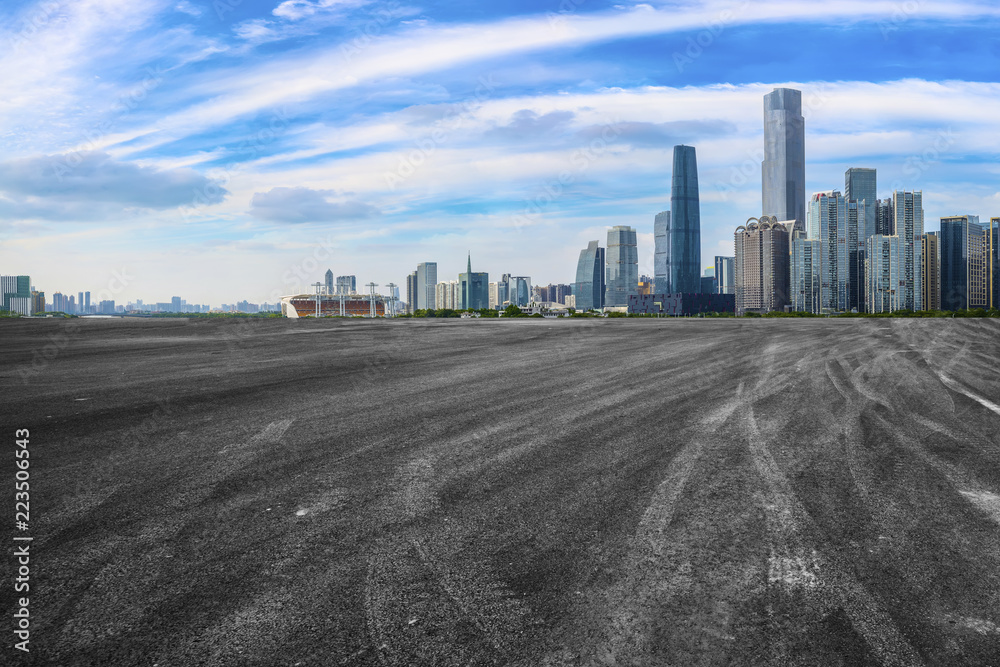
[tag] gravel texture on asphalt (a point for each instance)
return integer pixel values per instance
(509, 492)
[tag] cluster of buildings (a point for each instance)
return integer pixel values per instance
(20, 297)
(849, 251)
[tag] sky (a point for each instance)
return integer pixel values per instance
(221, 150)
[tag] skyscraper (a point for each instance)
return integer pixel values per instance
(347, 285)
(16, 294)
(589, 288)
(884, 284)
(761, 265)
(623, 266)
(474, 289)
(724, 276)
(908, 209)
(86, 296)
(411, 292)
(661, 254)
(685, 223)
(783, 172)
(328, 281)
(931, 269)
(965, 282)
(994, 252)
(806, 274)
(837, 223)
(79, 303)
(885, 219)
(860, 184)
(427, 275)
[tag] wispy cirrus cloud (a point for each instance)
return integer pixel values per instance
(298, 205)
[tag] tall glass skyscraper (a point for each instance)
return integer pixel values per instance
(783, 172)
(724, 274)
(623, 266)
(964, 258)
(860, 184)
(837, 223)
(474, 289)
(685, 224)
(328, 280)
(589, 288)
(807, 274)
(427, 277)
(661, 255)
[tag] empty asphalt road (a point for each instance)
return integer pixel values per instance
(528, 492)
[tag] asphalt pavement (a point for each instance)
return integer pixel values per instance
(508, 492)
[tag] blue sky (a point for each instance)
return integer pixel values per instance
(222, 149)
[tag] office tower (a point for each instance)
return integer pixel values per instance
(79, 303)
(15, 291)
(328, 281)
(884, 269)
(623, 266)
(860, 185)
(589, 289)
(761, 265)
(474, 288)
(806, 274)
(908, 210)
(37, 302)
(724, 277)
(965, 280)
(411, 292)
(427, 273)
(347, 285)
(520, 290)
(994, 253)
(86, 296)
(71, 308)
(661, 253)
(685, 223)
(783, 172)
(838, 223)
(708, 285)
(930, 266)
(885, 219)
(494, 294)
(175, 304)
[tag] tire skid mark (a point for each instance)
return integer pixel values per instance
(954, 385)
(790, 526)
(271, 435)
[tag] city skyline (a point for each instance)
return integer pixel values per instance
(209, 152)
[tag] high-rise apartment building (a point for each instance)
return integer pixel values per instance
(427, 273)
(37, 302)
(838, 224)
(623, 266)
(965, 263)
(885, 219)
(761, 265)
(908, 210)
(474, 289)
(661, 253)
(994, 252)
(806, 274)
(448, 294)
(685, 223)
(885, 283)
(590, 276)
(931, 270)
(724, 274)
(861, 185)
(783, 172)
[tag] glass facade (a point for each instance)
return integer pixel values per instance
(685, 223)
(884, 275)
(427, 277)
(661, 256)
(474, 289)
(839, 225)
(909, 227)
(589, 288)
(783, 172)
(963, 257)
(861, 185)
(724, 275)
(623, 266)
